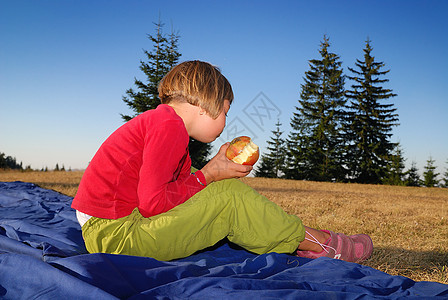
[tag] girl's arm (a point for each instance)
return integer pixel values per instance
(165, 180)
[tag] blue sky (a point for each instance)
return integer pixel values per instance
(65, 65)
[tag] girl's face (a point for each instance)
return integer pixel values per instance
(209, 128)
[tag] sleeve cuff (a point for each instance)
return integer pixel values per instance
(200, 177)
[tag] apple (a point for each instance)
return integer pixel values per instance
(243, 151)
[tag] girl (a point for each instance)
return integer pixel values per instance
(140, 195)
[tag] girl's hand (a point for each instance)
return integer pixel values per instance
(220, 167)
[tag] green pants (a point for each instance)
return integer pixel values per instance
(228, 208)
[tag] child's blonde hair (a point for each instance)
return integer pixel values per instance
(199, 83)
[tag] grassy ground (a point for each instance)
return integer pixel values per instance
(409, 226)
(63, 182)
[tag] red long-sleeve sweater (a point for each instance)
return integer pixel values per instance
(145, 163)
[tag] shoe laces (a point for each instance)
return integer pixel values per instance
(316, 241)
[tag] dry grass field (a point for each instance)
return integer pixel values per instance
(63, 182)
(409, 226)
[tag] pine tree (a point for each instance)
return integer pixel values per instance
(8, 162)
(445, 178)
(316, 142)
(266, 167)
(2, 161)
(412, 177)
(430, 176)
(369, 121)
(172, 53)
(157, 65)
(395, 169)
(160, 60)
(296, 143)
(199, 153)
(272, 162)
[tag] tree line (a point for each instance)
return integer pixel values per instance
(337, 134)
(343, 135)
(10, 163)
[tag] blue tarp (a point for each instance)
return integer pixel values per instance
(42, 255)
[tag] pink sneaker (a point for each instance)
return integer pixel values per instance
(354, 248)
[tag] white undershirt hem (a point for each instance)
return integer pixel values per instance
(82, 217)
